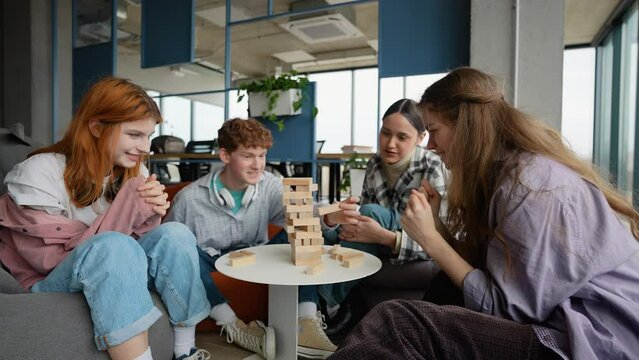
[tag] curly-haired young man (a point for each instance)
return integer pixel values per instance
(229, 209)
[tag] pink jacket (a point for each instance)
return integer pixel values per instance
(33, 242)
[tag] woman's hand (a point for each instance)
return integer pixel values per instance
(348, 215)
(418, 221)
(153, 193)
(433, 196)
(366, 230)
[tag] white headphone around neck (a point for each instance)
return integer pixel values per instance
(225, 197)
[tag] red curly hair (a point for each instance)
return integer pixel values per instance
(249, 132)
(111, 101)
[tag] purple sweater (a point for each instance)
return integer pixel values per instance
(574, 269)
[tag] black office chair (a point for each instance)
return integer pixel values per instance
(165, 144)
(191, 170)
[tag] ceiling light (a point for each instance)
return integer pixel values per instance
(294, 56)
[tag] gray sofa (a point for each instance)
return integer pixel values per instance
(53, 325)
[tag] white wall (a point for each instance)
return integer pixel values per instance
(521, 42)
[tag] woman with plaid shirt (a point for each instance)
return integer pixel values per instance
(400, 165)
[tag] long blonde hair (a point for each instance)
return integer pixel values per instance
(489, 137)
(111, 101)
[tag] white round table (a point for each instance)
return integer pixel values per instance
(273, 266)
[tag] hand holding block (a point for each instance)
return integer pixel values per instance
(241, 257)
(328, 209)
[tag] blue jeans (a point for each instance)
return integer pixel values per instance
(388, 218)
(115, 272)
(307, 293)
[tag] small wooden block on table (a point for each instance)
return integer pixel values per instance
(241, 257)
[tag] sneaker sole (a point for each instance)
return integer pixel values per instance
(310, 353)
(270, 344)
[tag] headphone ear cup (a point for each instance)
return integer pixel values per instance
(248, 195)
(228, 198)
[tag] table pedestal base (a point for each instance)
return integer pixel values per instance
(282, 316)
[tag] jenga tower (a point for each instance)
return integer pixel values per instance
(304, 231)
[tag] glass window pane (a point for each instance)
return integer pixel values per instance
(333, 100)
(177, 117)
(238, 109)
(416, 84)
(365, 107)
(93, 22)
(603, 99)
(627, 102)
(207, 120)
(578, 100)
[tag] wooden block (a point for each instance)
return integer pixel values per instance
(304, 215)
(335, 248)
(307, 235)
(312, 187)
(290, 229)
(353, 262)
(317, 241)
(345, 254)
(298, 222)
(299, 208)
(307, 262)
(316, 228)
(306, 249)
(240, 253)
(328, 209)
(241, 257)
(350, 255)
(315, 269)
(296, 242)
(298, 195)
(297, 181)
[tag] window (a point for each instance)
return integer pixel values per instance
(578, 100)
(627, 103)
(177, 117)
(207, 120)
(333, 99)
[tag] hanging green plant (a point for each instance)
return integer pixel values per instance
(271, 87)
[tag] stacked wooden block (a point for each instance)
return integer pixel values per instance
(304, 231)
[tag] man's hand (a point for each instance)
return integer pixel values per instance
(348, 215)
(153, 193)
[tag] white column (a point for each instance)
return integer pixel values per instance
(522, 43)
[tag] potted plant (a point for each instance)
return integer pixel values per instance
(353, 176)
(276, 96)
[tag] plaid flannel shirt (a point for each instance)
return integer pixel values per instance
(424, 165)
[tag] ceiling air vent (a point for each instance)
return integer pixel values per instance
(333, 27)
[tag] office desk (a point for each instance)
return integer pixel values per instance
(335, 161)
(273, 266)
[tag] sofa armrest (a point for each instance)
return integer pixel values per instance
(58, 325)
(8, 284)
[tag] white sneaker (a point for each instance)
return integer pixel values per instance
(255, 337)
(196, 354)
(312, 342)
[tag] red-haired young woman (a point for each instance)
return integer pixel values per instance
(82, 215)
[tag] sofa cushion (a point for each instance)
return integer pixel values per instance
(8, 284)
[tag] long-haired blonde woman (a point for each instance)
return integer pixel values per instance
(82, 215)
(548, 259)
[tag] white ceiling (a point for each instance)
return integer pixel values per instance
(259, 47)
